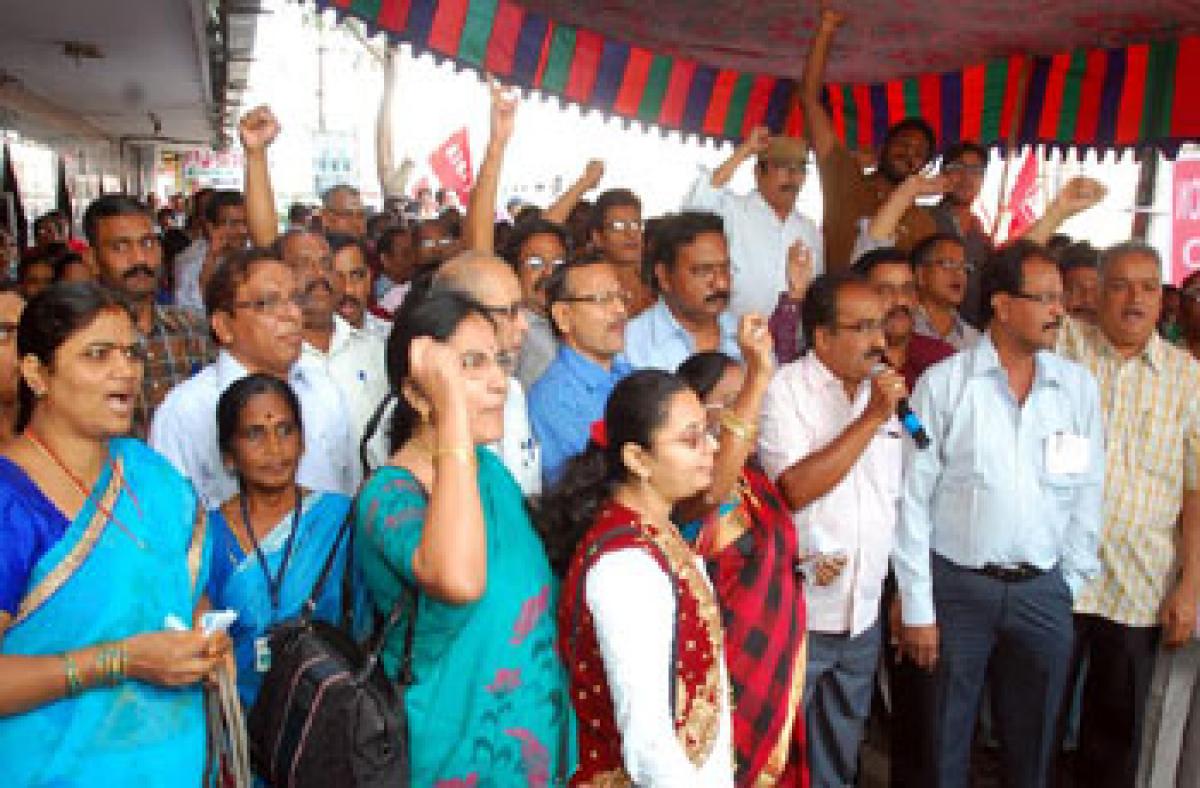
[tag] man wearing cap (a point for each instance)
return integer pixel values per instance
(762, 226)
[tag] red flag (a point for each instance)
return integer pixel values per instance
(1022, 201)
(451, 163)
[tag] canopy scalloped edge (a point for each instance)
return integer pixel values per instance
(1134, 97)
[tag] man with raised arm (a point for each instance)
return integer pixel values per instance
(851, 195)
(352, 358)
(764, 225)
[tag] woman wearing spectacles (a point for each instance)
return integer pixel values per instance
(270, 540)
(749, 544)
(102, 554)
(639, 625)
(445, 516)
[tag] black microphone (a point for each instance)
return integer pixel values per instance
(909, 420)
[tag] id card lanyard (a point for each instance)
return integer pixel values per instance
(262, 651)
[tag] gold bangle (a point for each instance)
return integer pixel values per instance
(463, 454)
(739, 427)
(74, 685)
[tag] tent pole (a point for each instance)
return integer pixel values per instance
(1143, 199)
(1010, 147)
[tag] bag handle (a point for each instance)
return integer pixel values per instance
(407, 601)
(310, 604)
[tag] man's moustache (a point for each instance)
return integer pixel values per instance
(142, 269)
(720, 295)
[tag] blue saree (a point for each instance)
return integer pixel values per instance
(97, 583)
(237, 582)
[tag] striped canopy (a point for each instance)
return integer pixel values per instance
(1132, 95)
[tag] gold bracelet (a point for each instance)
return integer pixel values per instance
(463, 454)
(739, 427)
(74, 685)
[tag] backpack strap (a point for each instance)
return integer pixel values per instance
(310, 604)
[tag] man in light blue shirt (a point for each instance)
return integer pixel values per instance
(588, 312)
(692, 277)
(999, 520)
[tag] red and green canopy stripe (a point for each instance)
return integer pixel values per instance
(1142, 95)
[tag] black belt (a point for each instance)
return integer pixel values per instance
(1009, 573)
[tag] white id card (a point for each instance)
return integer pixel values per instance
(1067, 454)
(262, 654)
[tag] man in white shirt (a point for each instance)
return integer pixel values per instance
(764, 224)
(352, 357)
(831, 442)
(491, 282)
(253, 303)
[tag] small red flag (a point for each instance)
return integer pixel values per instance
(451, 163)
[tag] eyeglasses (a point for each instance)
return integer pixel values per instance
(476, 361)
(1045, 299)
(273, 304)
(536, 263)
(709, 270)
(509, 312)
(861, 326)
(434, 243)
(947, 264)
(126, 245)
(104, 351)
(697, 436)
(610, 298)
(620, 226)
(971, 169)
(257, 433)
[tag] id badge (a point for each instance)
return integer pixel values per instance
(262, 654)
(1067, 454)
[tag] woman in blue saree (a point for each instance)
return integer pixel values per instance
(266, 572)
(102, 559)
(489, 704)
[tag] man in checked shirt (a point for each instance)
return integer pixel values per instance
(1143, 602)
(126, 254)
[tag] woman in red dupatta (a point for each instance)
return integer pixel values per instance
(748, 540)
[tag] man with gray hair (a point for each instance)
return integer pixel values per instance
(1142, 605)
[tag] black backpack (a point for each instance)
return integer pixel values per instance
(327, 714)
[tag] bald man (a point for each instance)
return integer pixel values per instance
(491, 282)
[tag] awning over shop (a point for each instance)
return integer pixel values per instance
(1096, 74)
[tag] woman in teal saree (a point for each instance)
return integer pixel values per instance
(266, 571)
(102, 555)
(489, 704)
